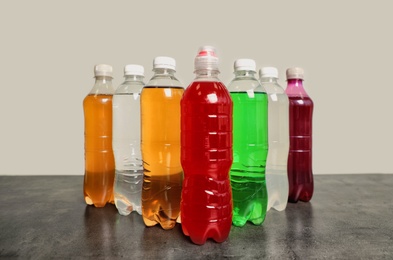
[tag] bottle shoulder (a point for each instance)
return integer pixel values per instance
(300, 101)
(272, 88)
(245, 84)
(93, 99)
(164, 81)
(129, 88)
(102, 89)
(207, 92)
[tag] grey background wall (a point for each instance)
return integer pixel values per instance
(48, 50)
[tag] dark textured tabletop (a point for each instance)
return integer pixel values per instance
(349, 217)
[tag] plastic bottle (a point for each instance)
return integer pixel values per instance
(206, 155)
(160, 140)
(250, 145)
(300, 176)
(278, 124)
(99, 161)
(126, 141)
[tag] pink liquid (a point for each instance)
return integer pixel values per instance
(300, 175)
(206, 157)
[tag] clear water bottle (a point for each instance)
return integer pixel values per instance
(206, 154)
(99, 161)
(160, 143)
(278, 124)
(250, 145)
(126, 141)
(301, 107)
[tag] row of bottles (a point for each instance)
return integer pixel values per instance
(207, 156)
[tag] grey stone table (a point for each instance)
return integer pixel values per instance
(349, 217)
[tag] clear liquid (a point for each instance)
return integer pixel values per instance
(276, 165)
(126, 148)
(128, 188)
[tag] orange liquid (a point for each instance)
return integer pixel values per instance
(163, 174)
(99, 159)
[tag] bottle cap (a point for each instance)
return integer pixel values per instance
(133, 69)
(244, 64)
(103, 70)
(295, 73)
(268, 72)
(206, 58)
(164, 63)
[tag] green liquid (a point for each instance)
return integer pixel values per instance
(250, 147)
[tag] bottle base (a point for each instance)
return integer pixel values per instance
(125, 207)
(241, 221)
(164, 224)
(280, 207)
(200, 239)
(304, 198)
(89, 201)
(278, 204)
(199, 233)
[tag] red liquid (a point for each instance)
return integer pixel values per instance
(300, 176)
(206, 157)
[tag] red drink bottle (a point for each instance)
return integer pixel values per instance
(206, 153)
(300, 176)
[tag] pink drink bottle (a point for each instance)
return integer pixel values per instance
(300, 176)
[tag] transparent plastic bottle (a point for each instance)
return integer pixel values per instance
(160, 143)
(206, 154)
(300, 176)
(250, 145)
(126, 141)
(278, 124)
(99, 161)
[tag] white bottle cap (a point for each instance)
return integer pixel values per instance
(295, 73)
(103, 70)
(245, 64)
(206, 59)
(268, 72)
(133, 69)
(164, 63)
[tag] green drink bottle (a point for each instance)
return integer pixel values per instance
(250, 145)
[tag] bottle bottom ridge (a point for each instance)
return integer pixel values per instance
(249, 199)
(127, 191)
(161, 199)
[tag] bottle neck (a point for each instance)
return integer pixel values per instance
(295, 87)
(268, 80)
(164, 77)
(163, 72)
(103, 80)
(133, 78)
(245, 74)
(207, 74)
(103, 85)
